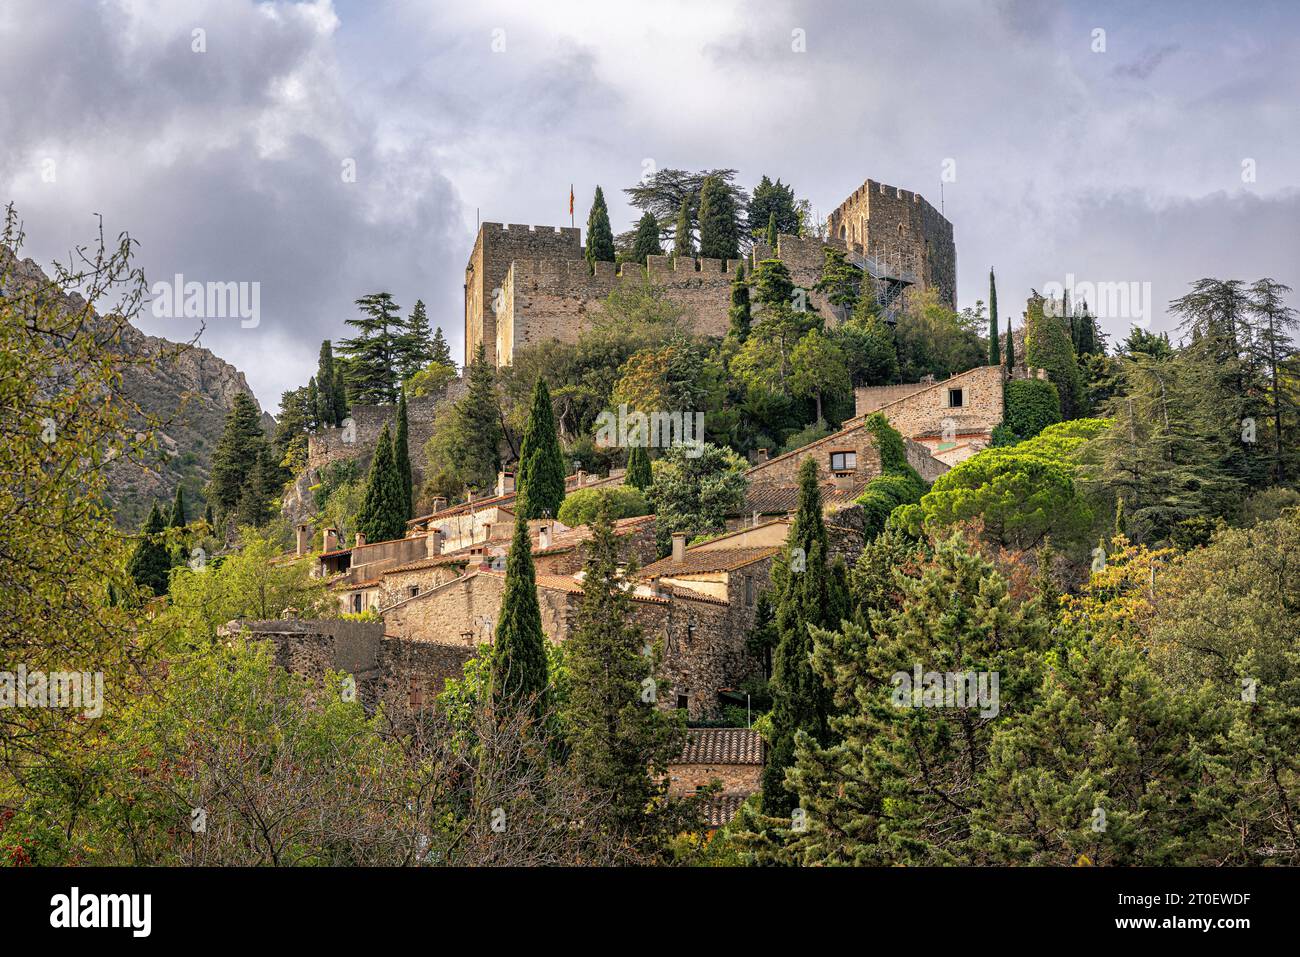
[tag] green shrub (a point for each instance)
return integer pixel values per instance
(1031, 406)
(582, 506)
(898, 483)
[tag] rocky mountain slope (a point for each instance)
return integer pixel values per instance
(187, 387)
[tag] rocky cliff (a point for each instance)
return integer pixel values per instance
(188, 388)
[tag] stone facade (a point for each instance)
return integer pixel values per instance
(953, 419)
(529, 284)
(358, 441)
(899, 228)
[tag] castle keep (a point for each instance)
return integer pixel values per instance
(528, 284)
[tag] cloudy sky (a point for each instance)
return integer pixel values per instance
(1153, 145)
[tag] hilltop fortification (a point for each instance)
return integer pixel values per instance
(528, 284)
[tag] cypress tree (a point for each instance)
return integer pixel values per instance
(620, 741)
(683, 244)
(1011, 348)
(150, 564)
(638, 468)
(207, 517)
(995, 356)
(600, 238)
(1048, 346)
(646, 241)
(381, 517)
(519, 660)
(177, 519)
(254, 500)
(771, 232)
(402, 457)
(740, 309)
(719, 237)
(809, 592)
(540, 482)
(313, 406)
(340, 396)
(324, 409)
(478, 425)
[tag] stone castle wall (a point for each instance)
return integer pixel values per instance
(368, 421)
(899, 227)
(528, 284)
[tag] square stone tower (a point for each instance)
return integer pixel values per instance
(495, 248)
(900, 229)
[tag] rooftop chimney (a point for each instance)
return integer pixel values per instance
(679, 546)
(331, 542)
(433, 542)
(762, 455)
(757, 517)
(582, 478)
(439, 503)
(544, 536)
(304, 538)
(843, 480)
(361, 540)
(505, 483)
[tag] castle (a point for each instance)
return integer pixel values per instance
(528, 284)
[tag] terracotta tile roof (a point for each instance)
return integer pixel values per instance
(721, 810)
(572, 538)
(451, 558)
(722, 746)
(924, 387)
(337, 551)
(699, 561)
(570, 485)
(690, 594)
(769, 499)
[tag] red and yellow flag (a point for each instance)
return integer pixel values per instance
(570, 199)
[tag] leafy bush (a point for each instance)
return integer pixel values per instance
(622, 501)
(898, 484)
(1031, 406)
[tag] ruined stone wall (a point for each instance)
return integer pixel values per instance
(412, 673)
(899, 227)
(368, 421)
(495, 248)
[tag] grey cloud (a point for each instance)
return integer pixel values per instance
(1146, 64)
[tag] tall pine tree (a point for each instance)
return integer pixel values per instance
(621, 742)
(414, 344)
(519, 659)
(540, 481)
(810, 592)
(150, 564)
(371, 357)
(719, 236)
(236, 454)
(646, 241)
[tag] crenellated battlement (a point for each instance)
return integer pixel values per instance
(526, 284)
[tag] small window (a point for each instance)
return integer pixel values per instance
(749, 591)
(681, 702)
(413, 590)
(844, 461)
(356, 603)
(956, 398)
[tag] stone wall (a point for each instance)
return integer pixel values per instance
(685, 779)
(928, 411)
(472, 604)
(311, 648)
(368, 421)
(901, 229)
(784, 469)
